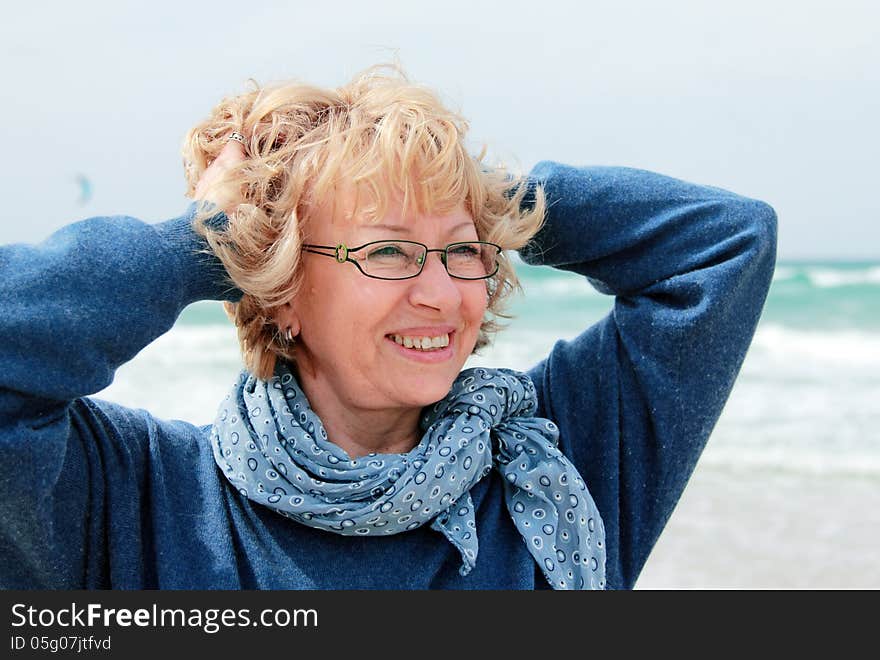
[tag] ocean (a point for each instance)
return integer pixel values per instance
(787, 492)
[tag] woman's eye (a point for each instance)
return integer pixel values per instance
(386, 251)
(465, 251)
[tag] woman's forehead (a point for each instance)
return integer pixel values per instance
(355, 213)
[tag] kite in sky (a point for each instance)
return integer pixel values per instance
(85, 189)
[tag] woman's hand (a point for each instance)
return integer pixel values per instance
(231, 154)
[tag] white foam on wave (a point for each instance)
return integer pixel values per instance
(184, 374)
(804, 461)
(825, 278)
(851, 348)
(782, 273)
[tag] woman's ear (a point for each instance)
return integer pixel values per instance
(288, 320)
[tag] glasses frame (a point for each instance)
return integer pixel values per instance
(342, 254)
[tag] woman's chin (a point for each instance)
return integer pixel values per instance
(422, 392)
(423, 378)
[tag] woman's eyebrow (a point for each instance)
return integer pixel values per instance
(405, 229)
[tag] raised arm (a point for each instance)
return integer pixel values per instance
(637, 394)
(75, 308)
(86, 300)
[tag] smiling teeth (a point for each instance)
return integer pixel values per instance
(422, 343)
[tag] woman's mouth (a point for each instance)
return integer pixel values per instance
(425, 348)
(422, 343)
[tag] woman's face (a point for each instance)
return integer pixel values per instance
(349, 324)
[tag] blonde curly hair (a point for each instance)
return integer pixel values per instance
(381, 133)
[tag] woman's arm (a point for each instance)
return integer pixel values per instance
(637, 394)
(75, 308)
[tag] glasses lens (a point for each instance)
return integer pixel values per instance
(471, 260)
(393, 259)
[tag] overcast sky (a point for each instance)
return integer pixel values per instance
(774, 100)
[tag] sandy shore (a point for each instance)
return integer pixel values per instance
(739, 528)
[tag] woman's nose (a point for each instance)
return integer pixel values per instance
(435, 287)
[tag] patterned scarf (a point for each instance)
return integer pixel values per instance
(271, 445)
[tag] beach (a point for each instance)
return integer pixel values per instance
(759, 528)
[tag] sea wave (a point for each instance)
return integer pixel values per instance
(809, 277)
(828, 277)
(560, 287)
(780, 459)
(840, 347)
(782, 273)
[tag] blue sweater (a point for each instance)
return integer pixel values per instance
(97, 495)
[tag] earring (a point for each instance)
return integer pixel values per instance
(289, 335)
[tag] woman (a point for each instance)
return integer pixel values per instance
(360, 258)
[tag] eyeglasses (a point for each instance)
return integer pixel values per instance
(402, 260)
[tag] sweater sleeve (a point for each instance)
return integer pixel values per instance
(637, 394)
(75, 308)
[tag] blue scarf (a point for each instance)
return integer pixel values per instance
(271, 445)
